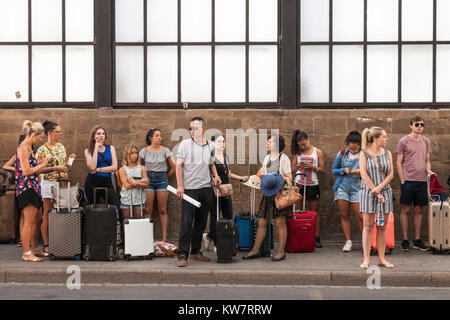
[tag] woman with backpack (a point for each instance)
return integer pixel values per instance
(348, 183)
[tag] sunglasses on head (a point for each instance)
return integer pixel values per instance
(419, 124)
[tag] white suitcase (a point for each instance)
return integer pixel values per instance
(139, 239)
(438, 223)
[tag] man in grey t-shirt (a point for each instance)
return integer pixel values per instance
(195, 163)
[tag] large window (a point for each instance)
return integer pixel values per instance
(374, 52)
(204, 52)
(46, 52)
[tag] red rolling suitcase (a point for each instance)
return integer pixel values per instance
(301, 230)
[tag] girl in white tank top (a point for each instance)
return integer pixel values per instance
(311, 176)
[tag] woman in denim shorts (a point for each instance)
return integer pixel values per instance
(348, 183)
(155, 158)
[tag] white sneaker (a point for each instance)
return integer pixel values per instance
(348, 246)
(207, 244)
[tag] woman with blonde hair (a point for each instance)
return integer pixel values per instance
(133, 176)
(101, 160)
(375, 196)
(28, 189)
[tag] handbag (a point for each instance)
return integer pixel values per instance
(224, 190)
(286, 198)
(66, 193)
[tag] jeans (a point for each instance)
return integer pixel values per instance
(190, 239)
(226, 206)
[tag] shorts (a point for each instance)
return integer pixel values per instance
(127, 206)
(352, 196)
(158, 181)
(414, 193)
(29, 197)
(312, 192)
(46, 188)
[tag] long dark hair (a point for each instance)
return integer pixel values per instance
(353, 137)
(91, 143)
(150, 135)
(296, 137)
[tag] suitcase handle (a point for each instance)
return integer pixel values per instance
(304, 190)
(95, 195)
(131, 202)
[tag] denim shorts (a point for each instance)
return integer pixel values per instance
(127, 206)
(352, 196)
(158, 181)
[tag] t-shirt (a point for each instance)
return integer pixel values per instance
(59, 152)
(197, 159)
(155, 161)
(414, 152)
(274, 165)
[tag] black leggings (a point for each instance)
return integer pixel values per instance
(93, 181)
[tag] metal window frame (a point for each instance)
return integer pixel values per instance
(179, 44)
(365, 43)
(63, 43)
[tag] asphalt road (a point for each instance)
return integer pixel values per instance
(215, 292)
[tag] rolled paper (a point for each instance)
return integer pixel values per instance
(185, 197)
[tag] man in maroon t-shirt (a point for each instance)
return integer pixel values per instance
(413, 166)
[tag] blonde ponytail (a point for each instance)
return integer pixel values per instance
(29, 128)
(368, 135)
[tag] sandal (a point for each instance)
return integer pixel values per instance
(253, 256)
(19, 244)
(45, 247)
(386, 265)
(27, 257)
(39, 253)
(364, 265)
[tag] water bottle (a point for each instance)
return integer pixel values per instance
(380, 219)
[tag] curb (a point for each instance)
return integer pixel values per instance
(225, 277)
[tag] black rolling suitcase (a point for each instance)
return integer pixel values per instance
(64, 229)
(100, 230)
(227, 238)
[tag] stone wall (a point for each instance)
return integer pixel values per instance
(327, 129)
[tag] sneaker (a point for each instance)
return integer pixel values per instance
(318, 243)
(404, 246)
(348, 246)
(206, 242)
(419, 245)
(198, 257)
(182, 262)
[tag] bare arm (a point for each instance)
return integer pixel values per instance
(91, 160)
(428, 163)
(321, 167)
(215, 175)
(124, 180)
(294, 164)
(179, 175)
(400, 168)
(389, 177)
(172, 166)
(24, 158)
(363, 171)
(10, 164)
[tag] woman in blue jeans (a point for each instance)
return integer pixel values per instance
(348, 183)
(155, 158)
(225, 204)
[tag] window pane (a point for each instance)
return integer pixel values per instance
(230, 74)
(47, 73)
(347, 74)
(263, 20)
(129, 74)
(129, 20)
(80, 73)
(382, 20)
(443, 20)
(79, 20)
(13, 20)
(162, 74)
(382, 73)
(314, 20)
(417, 73)
(263, 73)
(196, 20)
(348, 20)
(417, 20)
(314, 74)
(14, 73)
(162, 20)
(443, 73)
(196, 74)
(230, 20)
(46, 17)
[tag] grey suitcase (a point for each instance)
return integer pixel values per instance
(64, 230)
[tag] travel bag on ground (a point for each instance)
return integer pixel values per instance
(64, 228)
(100, 230)
(138, 234)
(438, 222)
(390, 236)
(301, 229)
(9, 215)
(227, 238)
(244, 222)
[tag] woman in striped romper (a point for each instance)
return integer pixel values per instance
(375, 195)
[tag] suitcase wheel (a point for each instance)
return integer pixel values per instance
(127, 257)
(51, 257)
(151, 256)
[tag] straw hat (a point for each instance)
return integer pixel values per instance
(253, 182)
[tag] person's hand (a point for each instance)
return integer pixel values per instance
(180, 192)
(217, 181)
(97, 145)
(375, 191)
(244, 179)
(347, 171)
(61, 169)
(356, 172)
(132, 182)
(380, 198)
(73, 155)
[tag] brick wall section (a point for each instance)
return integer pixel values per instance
(327, 129)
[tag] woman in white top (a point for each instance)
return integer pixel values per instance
(307, 162)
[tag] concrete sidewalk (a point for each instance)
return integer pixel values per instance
(328, 266)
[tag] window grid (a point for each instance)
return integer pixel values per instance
(213, 44)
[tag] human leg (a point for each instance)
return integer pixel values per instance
(162, 197)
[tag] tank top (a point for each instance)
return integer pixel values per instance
(104, 159)
(311, 175)
(24, 182)
(132, 195)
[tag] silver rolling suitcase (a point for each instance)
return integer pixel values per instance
(438, 223)
(139, 240)
(64, 230)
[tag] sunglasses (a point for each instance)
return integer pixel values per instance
(419, 124)
(193, 129)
